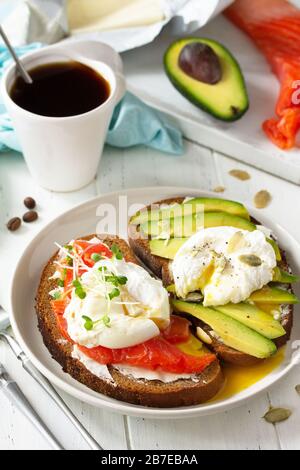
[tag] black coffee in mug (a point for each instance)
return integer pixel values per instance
(61, 89)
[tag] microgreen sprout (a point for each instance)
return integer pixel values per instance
(102, 269)
(89, 323)
(68, 247)
(116, 280)
(69, 261)
(96, 257)
(117, 252)
(106, 321)
(79, 291)
(114, 293)
(61, 281)
(55, 294)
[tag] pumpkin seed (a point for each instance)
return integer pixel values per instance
(194, 297)
(240, 174)
(219, 189)
(251, 260)
(262, 199)
(297, 388)
(276, 415)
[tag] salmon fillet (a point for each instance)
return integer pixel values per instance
(274, 26)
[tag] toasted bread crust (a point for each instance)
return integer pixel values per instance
(140, 392)
(160, 267)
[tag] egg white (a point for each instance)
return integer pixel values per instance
(134, 316)
(209, 262)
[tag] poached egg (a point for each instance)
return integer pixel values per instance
(132, 317)
(227, 264)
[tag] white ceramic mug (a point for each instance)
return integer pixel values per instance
(63, 153)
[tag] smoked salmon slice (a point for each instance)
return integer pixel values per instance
(274, 26)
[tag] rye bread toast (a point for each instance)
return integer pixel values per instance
(160, 267)
(152, 393)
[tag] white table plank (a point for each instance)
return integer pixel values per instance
(285, 395)
(141, 167)
(283, 207)
(241, 428)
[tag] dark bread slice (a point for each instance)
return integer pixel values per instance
(141, 392)
(160, 267)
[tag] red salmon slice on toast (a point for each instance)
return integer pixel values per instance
(274, 26)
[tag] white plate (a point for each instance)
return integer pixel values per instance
(83, 220)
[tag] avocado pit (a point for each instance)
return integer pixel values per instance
(200, 62)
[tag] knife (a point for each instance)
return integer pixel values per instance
(15, 395)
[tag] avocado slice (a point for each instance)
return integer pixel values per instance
(227, 99)
(275, 248)
(192, 206)
(283, 277)
(233, 333)
(254, 318)
(166, 248)
(187, 226)
(273, 295)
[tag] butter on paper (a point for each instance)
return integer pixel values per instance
(129, 30)
(123, 24)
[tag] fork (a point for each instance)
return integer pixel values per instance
(46, 385)
(15, 395)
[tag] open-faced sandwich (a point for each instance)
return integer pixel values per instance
(109, 324)
(225, 271)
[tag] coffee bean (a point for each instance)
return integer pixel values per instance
(13, 224)
(30, 216)
(29, 202)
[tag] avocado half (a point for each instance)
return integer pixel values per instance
(226, 100)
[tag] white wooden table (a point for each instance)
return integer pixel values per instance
(241, 428)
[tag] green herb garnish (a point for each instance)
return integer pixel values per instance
(79, 291)
(122, 280)
(96, 257)
(60, 282)
(106, 321)
(102, 269)
(68, 247)
(116, 280)
(114, 293)
(116, 251)
(69, 261)
(55, 294)
(89, 323)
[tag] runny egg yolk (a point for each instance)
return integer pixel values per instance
(206, 275)
(225, 263)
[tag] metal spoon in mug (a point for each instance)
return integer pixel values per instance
(24, 74)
